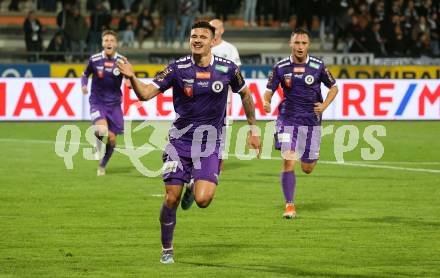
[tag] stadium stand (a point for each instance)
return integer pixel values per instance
(386, 28)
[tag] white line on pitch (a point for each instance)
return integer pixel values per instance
(366, 164)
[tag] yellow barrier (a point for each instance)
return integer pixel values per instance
(385, 72)
(76, 70)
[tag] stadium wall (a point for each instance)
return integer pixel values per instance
(150, 70)
(47, 99)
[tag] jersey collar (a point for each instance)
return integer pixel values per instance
(211, 63)
(307, 59)
(105, 57)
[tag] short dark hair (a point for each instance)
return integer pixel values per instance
(300, 31)
(109, 32)
(204, 24)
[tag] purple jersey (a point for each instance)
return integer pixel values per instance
(199, 94)
(301, 85)
(106, 80)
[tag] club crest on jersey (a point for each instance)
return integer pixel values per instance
(217, 86)
(288, 80)
(116, 71)
(188, 90)
(309, 79)
(203, 75)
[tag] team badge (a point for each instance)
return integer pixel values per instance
(309, 79)
(217, 86)
(288, 80)
(116, 71)
(188, 90)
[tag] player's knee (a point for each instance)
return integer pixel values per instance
(203, 202)
(101, 131)
(172, 200)
(307, 169)
(112, 140)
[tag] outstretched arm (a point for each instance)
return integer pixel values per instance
(143, 91)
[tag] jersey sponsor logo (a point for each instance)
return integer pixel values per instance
(203, 75)
(170, 167)
(108, 69)
(116, 72)
(217, 86)
(184, 66)
(108, 64)
(299, 76)
(221, 68)
(190, 81)
(300, 69)
(314, 65)
(203, 84)
(309, 79)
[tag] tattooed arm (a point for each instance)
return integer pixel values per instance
(249, 109)
(248, 105)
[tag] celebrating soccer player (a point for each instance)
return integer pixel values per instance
(200, 89)
(105, 99)
(298, 126)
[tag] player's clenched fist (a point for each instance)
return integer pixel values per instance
(267, 108)
(125, 68)
(84, 90)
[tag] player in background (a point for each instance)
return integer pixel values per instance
(200, 84)
(221, 47)
(226, 50)
(298, 126)
(106, 95)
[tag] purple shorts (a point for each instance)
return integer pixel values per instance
(112, 113)
(304, 140)
(180, 172)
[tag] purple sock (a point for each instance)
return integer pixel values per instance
(108, 153)
(167, 223)
(288, 183)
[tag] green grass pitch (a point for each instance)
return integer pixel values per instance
(371, 219)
